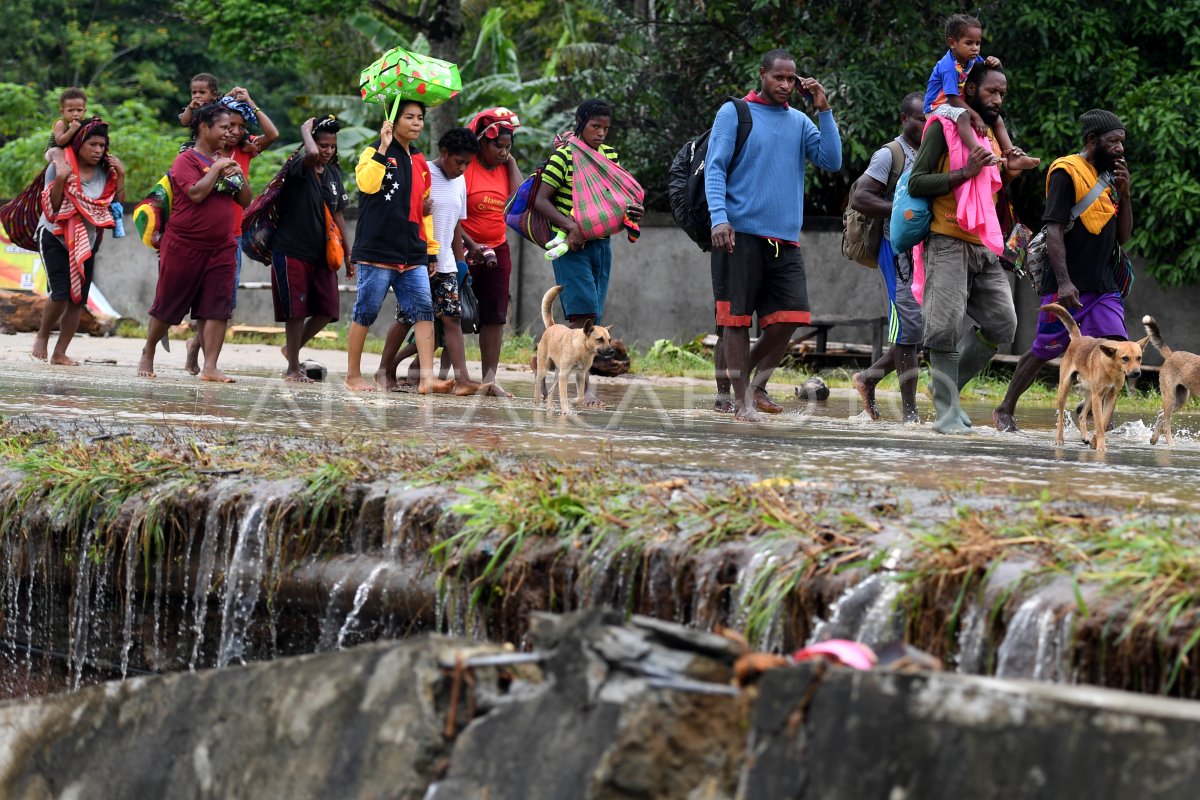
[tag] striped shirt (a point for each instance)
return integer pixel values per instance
(559, 174)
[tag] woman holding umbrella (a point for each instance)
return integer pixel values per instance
(391, 249)
(491, 178)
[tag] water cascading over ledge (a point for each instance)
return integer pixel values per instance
(126, 556)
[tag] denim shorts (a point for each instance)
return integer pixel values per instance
(583, 274)
(413, 296)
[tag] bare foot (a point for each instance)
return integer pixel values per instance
(358, 384)
(146, 365)
(1019, 160)
(435, 386)
(867, 392)
(63, 361)
(40, 347)
(764, 403)
(192, 361)
(723, 404)
(496, 390)
(746, 414)
(214, 376)
(468, 388)
(385, 380)
(589, 400)
(297, 377)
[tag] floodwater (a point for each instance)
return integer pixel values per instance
(660, 423)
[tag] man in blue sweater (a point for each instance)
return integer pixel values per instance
(757, 208)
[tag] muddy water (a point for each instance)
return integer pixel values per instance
(647, 424)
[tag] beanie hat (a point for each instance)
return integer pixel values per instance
(1099, 122)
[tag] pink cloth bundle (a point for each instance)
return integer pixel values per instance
(976, 197)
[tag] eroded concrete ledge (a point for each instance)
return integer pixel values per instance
(594, 720)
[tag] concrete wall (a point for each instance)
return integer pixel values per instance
(660, 288)
(633, 711)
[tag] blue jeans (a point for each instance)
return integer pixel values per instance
(583, 274)
(411, 287)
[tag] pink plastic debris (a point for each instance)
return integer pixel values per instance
(841, 651)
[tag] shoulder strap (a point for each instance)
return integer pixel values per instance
(1102, 183)
(745, 122)
(208, 162)
(897, 165)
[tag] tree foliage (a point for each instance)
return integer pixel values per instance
(677, 59)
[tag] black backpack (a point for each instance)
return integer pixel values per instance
(685, 180)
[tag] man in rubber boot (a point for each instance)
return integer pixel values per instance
(1082, 251)
(873, 197)
(757, 211)
(963, 278)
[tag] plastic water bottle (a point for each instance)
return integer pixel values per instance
(118, 212)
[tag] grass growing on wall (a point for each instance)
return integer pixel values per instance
(508, 525)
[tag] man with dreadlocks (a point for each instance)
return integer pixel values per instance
(81, 186)
(584, 269)
(304, 286)
(757, 211)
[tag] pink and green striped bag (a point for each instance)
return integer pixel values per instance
(603, 190)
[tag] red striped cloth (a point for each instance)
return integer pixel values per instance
(70, 220)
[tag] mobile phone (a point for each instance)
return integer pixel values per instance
(805, 93)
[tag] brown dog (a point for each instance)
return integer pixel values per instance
(566, 350)
(1102, 366)
(1178, 378)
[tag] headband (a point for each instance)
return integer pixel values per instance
(90, 127)
(490, 123)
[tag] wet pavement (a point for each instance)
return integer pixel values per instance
(660, 422)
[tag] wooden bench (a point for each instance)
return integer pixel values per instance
(820, 326)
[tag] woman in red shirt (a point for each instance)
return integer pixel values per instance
(491, 178)
(196, 260)
(241, 148)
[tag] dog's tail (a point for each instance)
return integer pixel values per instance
(1065, 317)
(548, 304)
(1155, 336)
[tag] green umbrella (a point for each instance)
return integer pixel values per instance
(403, 75)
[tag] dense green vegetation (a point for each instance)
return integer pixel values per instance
(665, 64)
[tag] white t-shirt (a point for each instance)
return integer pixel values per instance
(449, 206)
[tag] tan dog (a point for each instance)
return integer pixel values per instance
(1102, 366)
(1178, 378)
(566, 350)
